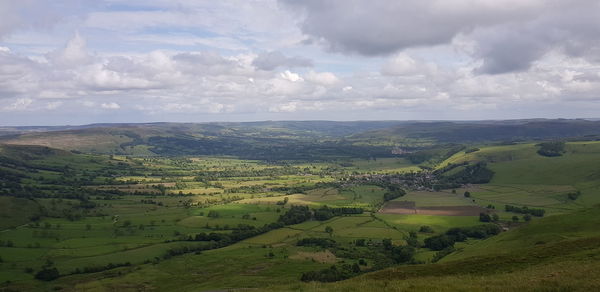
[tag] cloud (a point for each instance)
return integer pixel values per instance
(246, 60)
(19, 105)
(384, 27)
(30, 14)
(271, 60)
(402, 64)
(290, 76)
(72, 55)
(110, 105)
(509, 35)
(289, 107)
(322, 78)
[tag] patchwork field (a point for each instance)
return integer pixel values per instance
(154, 221)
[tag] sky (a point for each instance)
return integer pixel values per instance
(67, 62)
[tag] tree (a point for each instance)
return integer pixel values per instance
(47, 274)
(527, 217)
(329, 230)
(387, 243)
(483, 217)
(426, 229)
(412, 240)
(515, 219)
(495, 217)
(295, 215)
(467, 194)
(355, 268)
(439, 242)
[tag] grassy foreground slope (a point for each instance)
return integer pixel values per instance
(557, 253)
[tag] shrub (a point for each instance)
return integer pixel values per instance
(47, 274)
(316, 241)
(295, 215)
(525, 210)
(483, 217)
(426, 229)
(439, 242)
(551, 149)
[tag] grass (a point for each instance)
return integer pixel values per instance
(438, 223)
(514, 261)
(522, 178)
(382, 165)
(432, 199)
(15, 212)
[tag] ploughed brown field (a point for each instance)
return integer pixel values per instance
(408, 207)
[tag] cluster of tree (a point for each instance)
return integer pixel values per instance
(48, 272)
(393, 192)
(574, 195)
(551, 149)
(241, 232)
(400, 254)
(317, 241)
(213, 214)
(434, 154)
(95, 269)
(326, 213)
(426, 229)
(473, 174)
(295, 215)
(469, 174)
(485, 217)
(283, 202)
(525, 210)
(149, 201)
(212, 175)
(383, 253)
(334, 273)
(440, 242)
(471, 150)
(175, 251)
(302, 189)
(449, 167)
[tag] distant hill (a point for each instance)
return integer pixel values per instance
(486, 131)
(291, 139)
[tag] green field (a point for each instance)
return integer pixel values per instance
(127, 223)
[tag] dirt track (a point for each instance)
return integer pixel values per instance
(406, 207)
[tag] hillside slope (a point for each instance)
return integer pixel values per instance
(557, 253)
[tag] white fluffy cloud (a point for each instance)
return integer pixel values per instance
(110, 105)
(195, 61)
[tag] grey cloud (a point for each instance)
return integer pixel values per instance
(206, 63)
(572, 29)
(32, 14)
(509, 35)
(386, 26)
(271, 60)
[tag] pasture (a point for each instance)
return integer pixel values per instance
(158, 204)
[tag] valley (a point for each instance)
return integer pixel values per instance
(77, 220)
